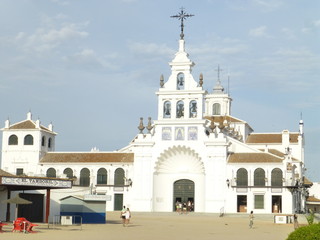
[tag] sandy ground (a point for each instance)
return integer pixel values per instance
(156, 226)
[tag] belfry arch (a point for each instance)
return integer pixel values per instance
(178, 166)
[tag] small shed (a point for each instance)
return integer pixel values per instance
(91, 208)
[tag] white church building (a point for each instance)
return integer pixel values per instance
(194, 151)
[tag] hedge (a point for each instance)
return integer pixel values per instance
(310, 232)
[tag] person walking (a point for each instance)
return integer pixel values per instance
(295, 221)
(251, 219)
(127, 216)
(123, 215)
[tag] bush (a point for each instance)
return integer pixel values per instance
(310, 232)
(310, 217)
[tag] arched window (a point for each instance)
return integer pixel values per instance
(180, 109)
(68, 172)
(276, 177)
(49, 142)
(119, 177)
(84, 177)
(102, 176)
(193, 109)
(242, 177)
(167, 109)
(28, 140)
(51, 172)
(43, 141)
(216, 109)
(13, 140)
(259, 177)
(180, 81)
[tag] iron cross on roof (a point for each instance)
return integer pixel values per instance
(182, 16)
(219, 70)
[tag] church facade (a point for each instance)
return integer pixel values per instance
(195, 152)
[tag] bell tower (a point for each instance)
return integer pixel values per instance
(181, 97)
(218, 103)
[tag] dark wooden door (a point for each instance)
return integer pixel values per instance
(32, 212)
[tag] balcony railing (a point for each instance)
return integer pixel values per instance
(286, 184)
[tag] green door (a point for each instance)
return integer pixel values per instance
(183, 191)
(118, 202)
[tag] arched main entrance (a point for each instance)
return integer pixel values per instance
(179, 174)
(183, 192)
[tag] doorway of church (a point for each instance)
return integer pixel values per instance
(276, 204)
(242, 203)
(183, 195)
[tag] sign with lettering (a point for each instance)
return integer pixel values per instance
(89, 197)
(36, 182)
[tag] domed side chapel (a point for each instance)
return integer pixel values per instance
(195, 153)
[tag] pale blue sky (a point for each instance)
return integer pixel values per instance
(92, 67)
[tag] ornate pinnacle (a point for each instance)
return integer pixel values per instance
(141, 127)
(149, 127)
(201, 80)
(212, 126)
(161, 80)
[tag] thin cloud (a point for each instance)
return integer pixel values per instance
(223, 50)
(60, 35)
(88, 59)
(269, 5)
(61, 2)
(288, 33)
(316, 23)
(43, 40)
(259, 32)
(311, 27)
(150, 49)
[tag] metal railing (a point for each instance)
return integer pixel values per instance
(221, 212)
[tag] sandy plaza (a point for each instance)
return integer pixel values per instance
(159, 226)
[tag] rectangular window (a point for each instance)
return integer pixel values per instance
(259, 201)
(19, 171)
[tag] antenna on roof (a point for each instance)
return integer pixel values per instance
(228, 86)
(301, 131)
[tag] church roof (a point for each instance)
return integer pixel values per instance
(254, 158)
(277, 153)
(270, 138)
(5, 174)
(27, 124)
(92, 157)
(313, 199)
(306, 181)
(221, 119)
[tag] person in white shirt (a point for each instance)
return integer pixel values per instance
(127, 216)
